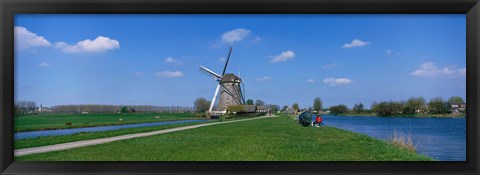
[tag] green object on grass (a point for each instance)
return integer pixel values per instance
(305, 118)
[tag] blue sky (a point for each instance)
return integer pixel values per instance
(155, 59)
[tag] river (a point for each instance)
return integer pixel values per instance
(439, 138)
(34, 134)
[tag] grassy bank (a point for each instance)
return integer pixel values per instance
(276, 139)
(52, 140)
(58, 121)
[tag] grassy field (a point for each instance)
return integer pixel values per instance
(52, 140)
(58, 121)
(271, 139)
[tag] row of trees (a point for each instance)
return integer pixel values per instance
(119, 108)
(414, 105)
(25, 107)
(30, 107)
(317, 105)
(257, 102)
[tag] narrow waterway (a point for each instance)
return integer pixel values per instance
(34, 134)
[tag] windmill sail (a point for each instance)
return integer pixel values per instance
(211, 72)
(226, 63)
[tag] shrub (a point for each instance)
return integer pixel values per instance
(340, 109)
(402, 140)
(236, 108)
(124, 110)
(202, 114)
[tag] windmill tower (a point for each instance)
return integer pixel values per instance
(230, 87)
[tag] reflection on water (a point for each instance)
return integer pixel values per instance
(34, 134)
(439, 138)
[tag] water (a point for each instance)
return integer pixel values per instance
(439, 138)
(34, 134)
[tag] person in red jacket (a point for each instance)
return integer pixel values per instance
(319, 121)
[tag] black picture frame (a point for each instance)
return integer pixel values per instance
(8, 8)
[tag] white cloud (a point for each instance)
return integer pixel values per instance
(170, 60)
(355, 43)
(25, 39)
(429, 69)
(222, 59)
(462, 72)
(170, 74)
(99, 44)
(235, 35)
(257, 39)
(426, 69)
(337, 81)
(284, 56)
(448, 71)
(139, 74)
(44, 64)
(310, 80)
(329, 66)
(389, 51)
(265, 78)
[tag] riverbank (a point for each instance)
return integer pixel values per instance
(268, 139)
(52, 140)
(460, 115)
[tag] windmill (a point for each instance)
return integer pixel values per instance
(230, 87)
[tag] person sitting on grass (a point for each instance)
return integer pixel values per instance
(318, 121)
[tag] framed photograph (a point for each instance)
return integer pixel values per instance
(236, 87)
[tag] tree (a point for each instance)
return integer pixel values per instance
(259, 103)
(414, 105)
(124, 110)
(249, 102)
(396, 107)
(317, 104)
(295, 106)
(339, 109)
(201, 104)
(358, 108)
(272, 107)
(388, 108)
(285, 108)
(438, 106)
(26, 107)
(455, 100)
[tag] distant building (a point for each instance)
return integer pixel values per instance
(42, 109)
(249, 108)
(456, 108)
(261, 109)
(131, 110)
(290, 110)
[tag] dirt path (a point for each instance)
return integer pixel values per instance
(77, 144)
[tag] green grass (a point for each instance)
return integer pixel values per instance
(52, 140)
(270, 139)
(57, 121)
